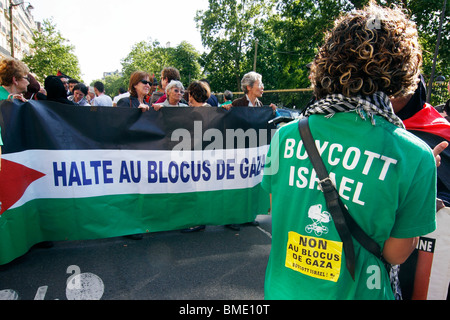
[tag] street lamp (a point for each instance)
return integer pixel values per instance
(11, 6)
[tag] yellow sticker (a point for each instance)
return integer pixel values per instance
(314, 257)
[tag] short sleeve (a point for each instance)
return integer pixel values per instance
(416, 215)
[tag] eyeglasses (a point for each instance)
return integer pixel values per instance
(146, 82)
(178, 91)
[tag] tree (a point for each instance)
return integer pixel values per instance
(51, 52)
(186, 59)
(267, 59)
(427, 16)
(146, 56)
(301, 26)
(112, 84)
(151, 57)
(220, 66)
(226, 29)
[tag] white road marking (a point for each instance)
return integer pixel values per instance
(265, 232)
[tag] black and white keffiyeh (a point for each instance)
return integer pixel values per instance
(376, 104)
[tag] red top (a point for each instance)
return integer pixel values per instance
(429, 120)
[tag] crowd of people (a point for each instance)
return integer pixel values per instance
(364, 104)
(144, 90)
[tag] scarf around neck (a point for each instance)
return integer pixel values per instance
(376, 104)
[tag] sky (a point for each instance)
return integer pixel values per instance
(104, 31)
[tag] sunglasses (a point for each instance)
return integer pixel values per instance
(146, 82)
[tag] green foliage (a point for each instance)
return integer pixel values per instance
(145, 56)
(51, 53)
(112, 84)
(152, 58)
(289, 33)
(227, 30)
(285, 33)
(186, 59)
(301, 26)
(427, 15)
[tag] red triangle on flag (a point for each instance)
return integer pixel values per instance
(14, 180)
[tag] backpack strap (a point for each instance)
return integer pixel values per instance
(345, 224)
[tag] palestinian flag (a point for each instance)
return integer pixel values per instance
(72, 173)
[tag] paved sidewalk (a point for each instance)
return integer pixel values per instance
(214, 264)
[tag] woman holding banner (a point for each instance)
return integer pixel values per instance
(174, 93)
(199, 93)
(253, 88)
(139, 88)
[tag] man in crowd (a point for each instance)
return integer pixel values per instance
(101, 99)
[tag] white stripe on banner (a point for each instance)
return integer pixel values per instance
(91, 173)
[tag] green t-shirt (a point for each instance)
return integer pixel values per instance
(385, 176)
(226, 103)
(4, 94)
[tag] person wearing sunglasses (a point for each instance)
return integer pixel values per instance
(167, 75)
(139, 88)
(174, 93)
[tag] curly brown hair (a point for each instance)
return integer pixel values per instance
(369, 50)
(9, 68)
(170, 73)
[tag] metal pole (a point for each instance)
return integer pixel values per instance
(430, 84)
(256, 53)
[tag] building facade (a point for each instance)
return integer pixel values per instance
(23, 25)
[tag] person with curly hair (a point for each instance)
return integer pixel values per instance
(14, 83)
(14, 78)
(384, 175)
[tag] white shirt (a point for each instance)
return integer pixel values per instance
(102, 101)
(250, 104)
(120, 96)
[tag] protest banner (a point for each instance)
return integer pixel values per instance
(74, 173)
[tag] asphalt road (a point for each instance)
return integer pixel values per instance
(214, 264)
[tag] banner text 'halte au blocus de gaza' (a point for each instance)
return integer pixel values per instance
(72, 172)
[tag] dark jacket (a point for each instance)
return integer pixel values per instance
(56, 91)
(129, 102)
(243, 102)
